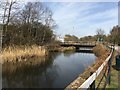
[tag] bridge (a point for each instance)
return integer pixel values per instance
(83, 46)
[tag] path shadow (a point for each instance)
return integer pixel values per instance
(114, 67)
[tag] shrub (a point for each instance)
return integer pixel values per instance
(99, 50)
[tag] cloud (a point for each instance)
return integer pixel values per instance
(84, 18)
(70, 12)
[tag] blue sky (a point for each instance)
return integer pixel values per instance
(83, 18)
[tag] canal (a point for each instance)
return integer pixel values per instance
(57, 71)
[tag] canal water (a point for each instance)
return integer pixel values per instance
(57, 71)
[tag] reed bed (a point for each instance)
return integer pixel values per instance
(65, 49)
(16, 53)
(60, 49)
(100, 50)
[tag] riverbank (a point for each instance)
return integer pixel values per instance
(19, 53)
(58, 48)
(102, 53)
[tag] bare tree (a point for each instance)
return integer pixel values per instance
(8, 9)
(100, 32)
(33, 23)
(115, 35)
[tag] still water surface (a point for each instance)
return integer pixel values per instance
(57, 71)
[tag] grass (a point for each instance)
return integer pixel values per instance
(64, 49)
(100, 50)
(58, 48)
(17, 53)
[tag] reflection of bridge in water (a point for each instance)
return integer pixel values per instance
(80, 46)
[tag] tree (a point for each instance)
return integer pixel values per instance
(100, 34)
(7, 8)
(88, 38)
(115, 35)
(33, 24)
(70, 38)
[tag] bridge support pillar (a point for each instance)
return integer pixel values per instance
(77, 48)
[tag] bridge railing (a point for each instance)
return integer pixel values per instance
(80, 42)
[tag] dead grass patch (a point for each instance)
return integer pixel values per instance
(17, 53)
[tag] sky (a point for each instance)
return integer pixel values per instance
(83, 18)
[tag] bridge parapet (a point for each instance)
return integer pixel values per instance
(80, 42)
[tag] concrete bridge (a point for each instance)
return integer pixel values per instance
(80, 45)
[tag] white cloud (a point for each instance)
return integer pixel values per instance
(69, 12)
(71, 15)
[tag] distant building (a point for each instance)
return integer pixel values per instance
(60, 39)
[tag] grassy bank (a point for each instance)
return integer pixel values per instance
(100, 50)
(65, 49)
(17, 53)
(58, 48)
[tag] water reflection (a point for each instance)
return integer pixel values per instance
(28, 74)
(57, 71)
(69, 53)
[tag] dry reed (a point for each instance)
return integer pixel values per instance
(18, 53)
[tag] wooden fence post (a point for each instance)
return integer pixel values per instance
(109, 69)
(108, 79)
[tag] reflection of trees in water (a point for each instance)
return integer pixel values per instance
(68, 53)
(30, 75)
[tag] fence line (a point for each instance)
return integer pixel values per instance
(92, 78)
